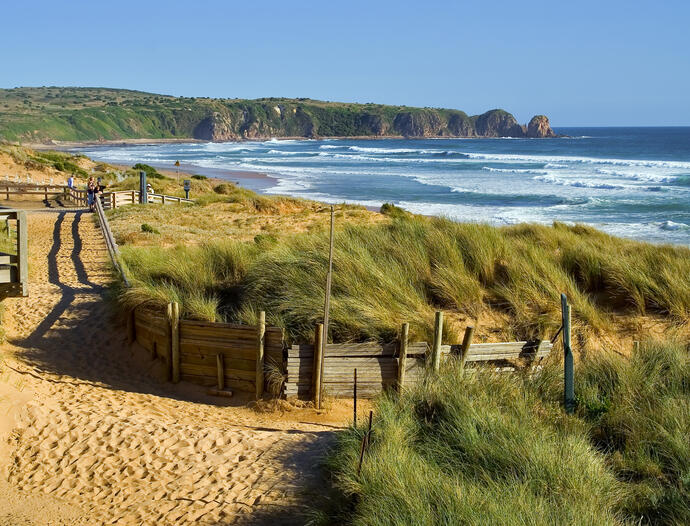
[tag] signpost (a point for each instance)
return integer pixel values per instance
(187, 187)
(177, 170)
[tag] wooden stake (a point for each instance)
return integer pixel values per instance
(220, 371)
(438, 335)
(175, 342)
(260, 355)
(365, 444)
(466, 342)
(568, 372)
(316, 371)
(327, 300)
(636, 346)
(402, 358)
(354, 410)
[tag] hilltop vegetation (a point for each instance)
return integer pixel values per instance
(94, 114)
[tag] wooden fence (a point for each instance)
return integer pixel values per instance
(196, 351)
(123, 197)
(381, 367)
(108, 199)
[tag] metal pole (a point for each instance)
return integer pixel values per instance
(568, 372)
(327, 301)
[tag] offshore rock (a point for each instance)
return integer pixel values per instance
(539, 127)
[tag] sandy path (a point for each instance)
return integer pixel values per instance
(94, 440)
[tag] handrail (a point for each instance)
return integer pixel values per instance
(110, 241)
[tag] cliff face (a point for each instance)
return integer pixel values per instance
(304, 120)
(498, 123)
(539, 127)
(93, 114)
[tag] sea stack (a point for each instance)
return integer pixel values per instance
(539, 127)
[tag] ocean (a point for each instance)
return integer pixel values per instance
(631, 182)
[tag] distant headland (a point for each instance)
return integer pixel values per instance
(65, 114)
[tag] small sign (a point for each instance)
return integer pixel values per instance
(177, 163)
(187, 185)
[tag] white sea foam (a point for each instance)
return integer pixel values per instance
(577, 183)
(580, 160)
(515, 170)
(672, 225)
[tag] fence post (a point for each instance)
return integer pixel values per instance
(260, 355)
(354, 406)
(568, 373)
(466, 342)
(438, 335)
(220, 371)
(133, 197)
(143, 190)
(327, 301)
(175, 342)
(402, 358)
(316, 371)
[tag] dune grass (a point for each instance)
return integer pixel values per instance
(491, 448)
(406, 268)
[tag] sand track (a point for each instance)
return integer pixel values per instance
(95, 441)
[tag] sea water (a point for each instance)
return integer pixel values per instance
(631, 182)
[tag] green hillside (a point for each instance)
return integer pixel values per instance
(92, 114)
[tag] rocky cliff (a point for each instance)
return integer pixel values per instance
(539, 127)
(93, 114)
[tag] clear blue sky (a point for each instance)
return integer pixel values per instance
(580, 62)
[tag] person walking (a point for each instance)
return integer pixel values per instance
(70, 182)
(91, 193)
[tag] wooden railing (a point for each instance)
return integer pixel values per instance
(108, 199)
(125, 197)
(110, 242)
(14, 269)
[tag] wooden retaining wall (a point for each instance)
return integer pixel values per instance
(199, 344)
(377, 368)
(201, 341)
(377, 365)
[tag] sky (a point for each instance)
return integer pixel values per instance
(583, 63)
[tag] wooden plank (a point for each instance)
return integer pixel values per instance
(260, 336)
(219, 325)
(209, 359)
(402, 358)
(505, 356)
(357, 349)
(210, 381)
(175, 341)
(203, 370)
(229, 349)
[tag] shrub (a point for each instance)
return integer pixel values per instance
(145, 227)
(199, 177)
(224, 188)
(151, 172)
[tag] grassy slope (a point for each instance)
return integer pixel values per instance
(497, 449)
(91, 114)
(394, 268)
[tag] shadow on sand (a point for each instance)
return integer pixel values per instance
(81, 339)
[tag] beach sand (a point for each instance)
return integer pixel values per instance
(90, 436)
